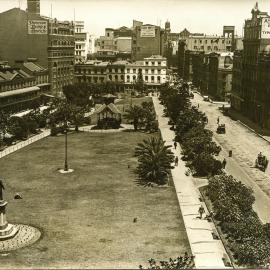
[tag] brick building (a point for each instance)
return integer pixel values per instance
(147, 40)
(50, 43)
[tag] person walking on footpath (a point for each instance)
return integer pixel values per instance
(175, 144)
(198, 105)
(224, 162)
(176, 161)
(218, 120)
(201, 211)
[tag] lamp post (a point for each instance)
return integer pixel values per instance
(66, 131)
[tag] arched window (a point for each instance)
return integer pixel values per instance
(134, 78)
(128, 78)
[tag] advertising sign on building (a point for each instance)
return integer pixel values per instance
(37, 27)
(147, 31)
(265, 32)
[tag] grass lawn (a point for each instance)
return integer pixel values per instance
(86, 217)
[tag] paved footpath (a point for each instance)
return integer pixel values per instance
(208, 252)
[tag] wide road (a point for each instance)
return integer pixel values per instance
(245, 146)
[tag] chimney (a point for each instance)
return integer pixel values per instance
(33, 7)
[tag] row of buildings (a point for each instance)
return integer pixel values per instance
(232, 68)
(251, 70)
(153, 70)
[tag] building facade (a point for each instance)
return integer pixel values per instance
(250, 89)
(82, 42)
(147, 40)
(47, 41)
(153, 69)
(21, 88)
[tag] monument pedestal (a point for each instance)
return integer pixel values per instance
(7, 230)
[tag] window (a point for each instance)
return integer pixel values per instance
(200, 41)
(159, 63)
(110, 77)
(152, 79)
(158, 79)
(158, 71)
(146, 63)
(195, 41)
(134, 78)
(128, 78)
(128, 70)
(206, 41)
(153, 63)
(116, 77)
(152, 71)
(134, 70)
(146, 71)
(195, 47)
(146, 78)
(122, 77)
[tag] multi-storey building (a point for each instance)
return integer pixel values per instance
(91, 72)
(153, 69)
(21, 88)
(211, 73)
(256, 41)
(47, 41)
(82, 41)
(147, 40)
(236, 93)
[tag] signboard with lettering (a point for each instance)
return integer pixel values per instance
(147, 31)
(37, 27)
(265, 32)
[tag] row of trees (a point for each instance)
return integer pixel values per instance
(143, 116)
(249, 239)
(189, 123)
(20, 128)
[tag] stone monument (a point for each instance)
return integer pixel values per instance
(7, 230)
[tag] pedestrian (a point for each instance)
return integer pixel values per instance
(201, 211)
(175, 144)
(224, 162)
(198, 105)
(218, 120)
(176, 161)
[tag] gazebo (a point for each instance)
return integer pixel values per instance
(108, 116)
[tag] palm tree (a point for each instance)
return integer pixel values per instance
(135, 114)
(154, 159)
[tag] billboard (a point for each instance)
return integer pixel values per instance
(265, 32)
(37, 27)
(148, 31)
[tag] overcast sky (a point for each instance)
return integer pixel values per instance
(204, 16)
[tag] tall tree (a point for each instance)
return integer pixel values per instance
(135, 114)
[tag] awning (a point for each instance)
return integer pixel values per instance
(19, 91)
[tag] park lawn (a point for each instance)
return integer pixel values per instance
(86, 218)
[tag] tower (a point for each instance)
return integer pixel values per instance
(33, 7)
(167, 26)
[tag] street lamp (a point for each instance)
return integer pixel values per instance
(66, 169)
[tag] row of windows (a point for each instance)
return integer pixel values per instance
(152, 63)
(112, 70)
(14, 86)
(209, 48)
(212, 41)
(66, 53)
(62, 43)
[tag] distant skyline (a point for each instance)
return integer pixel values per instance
(198, 16)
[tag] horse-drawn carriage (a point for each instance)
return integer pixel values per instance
(261, 162)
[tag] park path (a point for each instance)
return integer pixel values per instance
(208, 252)
(17, 146)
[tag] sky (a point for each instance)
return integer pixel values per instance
(198, 16)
